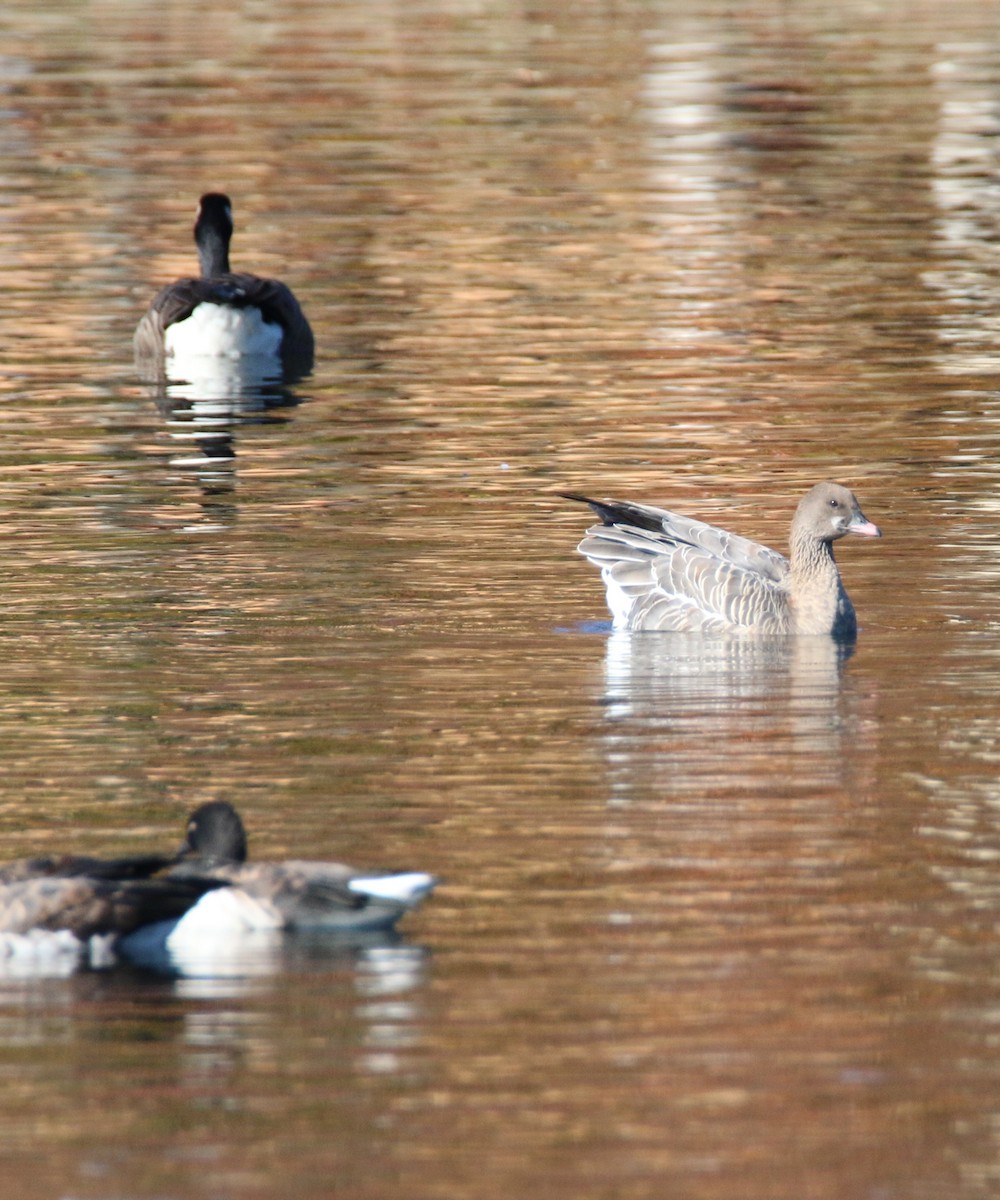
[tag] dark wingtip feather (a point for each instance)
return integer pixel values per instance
(616, 512)
(602, 508)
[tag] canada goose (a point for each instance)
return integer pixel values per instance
(223, 313)
(148, 907)
(76, 917)
(663, 571)
(295, 894)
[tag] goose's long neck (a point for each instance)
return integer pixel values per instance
(213, 251)
(811, 558)
(818, 601)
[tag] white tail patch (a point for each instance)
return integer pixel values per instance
(409, 888)
(218, 329)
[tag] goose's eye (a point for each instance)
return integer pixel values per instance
(835, 504)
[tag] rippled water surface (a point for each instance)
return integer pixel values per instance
(717, 920)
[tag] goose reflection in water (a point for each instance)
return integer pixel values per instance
(209, 399)
(376, 996)
(371, 994)
(206, 404)
(730, 764)
(721, 701)
(383, 964)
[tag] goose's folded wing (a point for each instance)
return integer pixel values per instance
(288, 887)
(67, 866)
(322, 886)
(729, 548)
(178, 300)
(694, 577)
(310, 890)
(712, 594)
(95, 906)
(662, 527)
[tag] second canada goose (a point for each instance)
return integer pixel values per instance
(224, 313)
(292, 894)
(664, 571)
(77, 917)
(76, 907)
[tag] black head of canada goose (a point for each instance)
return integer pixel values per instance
(222, 312)
(664, 571)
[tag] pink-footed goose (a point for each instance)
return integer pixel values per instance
(224, 313)
(664, 571)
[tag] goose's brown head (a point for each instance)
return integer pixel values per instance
(830, 511)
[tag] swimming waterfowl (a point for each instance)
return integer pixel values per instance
(295, 894)
(54, 905)
(664, 571)
(224, 313)
(84, 918)
(149, 907)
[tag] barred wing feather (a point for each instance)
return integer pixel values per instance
(668, 572)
